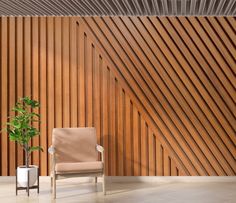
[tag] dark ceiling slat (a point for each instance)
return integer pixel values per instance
(23, 9)
(89, 5)
(116, 7)
(174, 7)
(59, 5)
(109, 6)
(36, 4)
(220, 7)
(137, 8)
(126, 4)
(102, 7)
(229, 6)
(211, 7)
(192, 7)
(9, 9)
(201, 7)
(183, 7)
(146, 7)
(79, 7)
(165, 7)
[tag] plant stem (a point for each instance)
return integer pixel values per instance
(26, 156)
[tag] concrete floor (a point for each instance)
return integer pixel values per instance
(75, 190)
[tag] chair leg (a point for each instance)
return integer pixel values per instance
(51, 182)
(104, 185)
(54, 187)
(96, 179)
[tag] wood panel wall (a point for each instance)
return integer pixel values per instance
(160, 91)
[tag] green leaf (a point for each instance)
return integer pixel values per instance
(18, 109)
(35, 148)
(29, 102)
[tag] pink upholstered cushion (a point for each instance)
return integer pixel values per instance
(75, 145)
(79, 167)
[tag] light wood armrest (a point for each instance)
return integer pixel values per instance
(101, 150)
(51, 150)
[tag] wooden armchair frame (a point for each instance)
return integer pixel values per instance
(54, 176)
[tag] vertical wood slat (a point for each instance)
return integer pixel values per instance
(50, 84)
(81, 81)
(43, 94)
(81, 70)
(27, 58)
(66, 72)
(35, 80)
(120, 135)
(4, 93)
(136, 142)
(112, 124)
(104, 117)
(127, 137)
(144, 148)
(151, 138)
(89, 82)
(12, 89)
(58, 71)
(73, 72)
(19, 73)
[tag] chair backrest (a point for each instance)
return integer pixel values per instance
(75, 144)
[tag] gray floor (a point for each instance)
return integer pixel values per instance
(73, 190)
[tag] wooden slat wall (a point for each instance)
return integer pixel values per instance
(160, 91)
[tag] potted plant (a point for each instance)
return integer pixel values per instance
(20, 130)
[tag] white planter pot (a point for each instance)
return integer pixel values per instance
(22, 175)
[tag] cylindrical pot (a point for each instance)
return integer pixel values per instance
(22, 175)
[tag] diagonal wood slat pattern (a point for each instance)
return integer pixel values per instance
(160, 91)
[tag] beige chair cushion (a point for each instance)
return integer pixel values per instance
(79, 167)
(75, 144)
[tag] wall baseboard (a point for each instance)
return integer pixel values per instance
(138, 179)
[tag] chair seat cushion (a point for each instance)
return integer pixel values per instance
(79, 167)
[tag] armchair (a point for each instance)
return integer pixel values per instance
(74, 153)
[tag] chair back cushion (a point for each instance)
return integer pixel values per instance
(75, 144)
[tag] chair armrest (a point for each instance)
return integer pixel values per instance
(51, 150)
(101, 150)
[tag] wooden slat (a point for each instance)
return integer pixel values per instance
(89, 82)
(97, 66)
(43, 95)
(12, 89)
(112, 123)
(4, 93)
(82, 109)
(19, 68)
(65, 72)
(128, 140)
(167, 164)
(121, 129)
(73, 72)
(58, 72)
(144, 148)
(27, 59)
(50, 84)
(159, 159)
(151, 155)
(35, 79)
(136, 141)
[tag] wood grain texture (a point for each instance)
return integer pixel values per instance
(161, 91)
